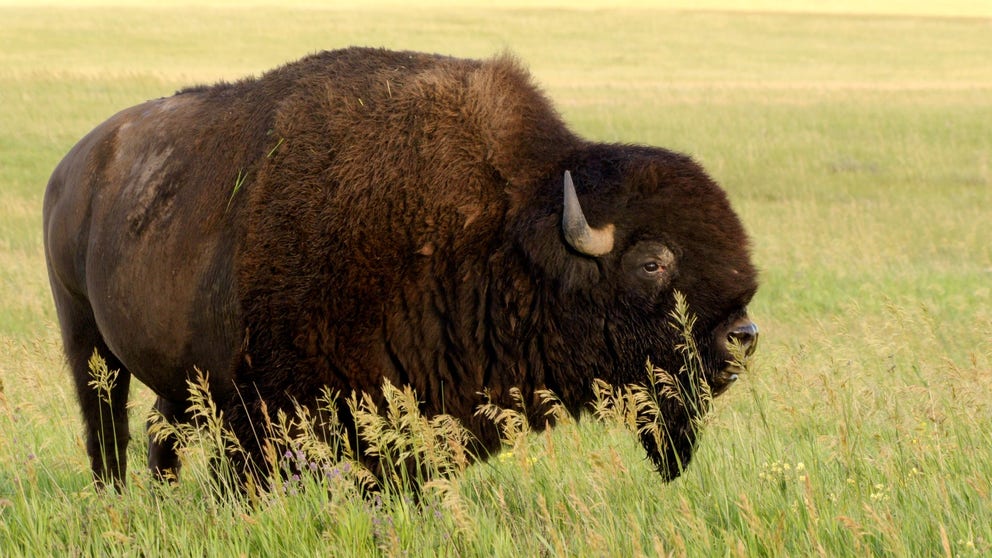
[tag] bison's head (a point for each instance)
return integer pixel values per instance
(637, 226)
(655, 263)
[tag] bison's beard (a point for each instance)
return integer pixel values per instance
(670, 412)
(667, 414)
(670, 438)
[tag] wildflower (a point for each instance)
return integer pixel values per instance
(879, 494)
(783, 472)
(969, 545)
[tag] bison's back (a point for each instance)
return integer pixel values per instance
(374, 221)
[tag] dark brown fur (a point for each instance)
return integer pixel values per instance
(398, 217)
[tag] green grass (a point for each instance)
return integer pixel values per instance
(857, 149)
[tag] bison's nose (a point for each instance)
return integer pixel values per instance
(746, 334)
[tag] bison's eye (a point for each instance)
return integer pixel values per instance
(652, 268)
(649, 266)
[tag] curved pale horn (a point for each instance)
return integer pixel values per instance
(578, 233)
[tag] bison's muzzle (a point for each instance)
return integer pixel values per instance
(740, 342)
(745, 333)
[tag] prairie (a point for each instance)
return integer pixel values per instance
(857, 146)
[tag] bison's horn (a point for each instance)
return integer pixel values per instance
(578, 233)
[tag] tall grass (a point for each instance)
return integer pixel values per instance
(856, 149)
(409, 493)
(829, 463)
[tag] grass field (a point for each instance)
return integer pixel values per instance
(857, 148)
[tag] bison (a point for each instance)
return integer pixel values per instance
(365, 215)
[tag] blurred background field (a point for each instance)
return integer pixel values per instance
(856, 143)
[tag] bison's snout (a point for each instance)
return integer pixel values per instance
(745, 333)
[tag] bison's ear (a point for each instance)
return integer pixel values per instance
(579, 235)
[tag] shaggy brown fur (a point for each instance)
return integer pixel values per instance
(398, 217)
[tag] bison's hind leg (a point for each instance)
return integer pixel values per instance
(102, 397)
(163, 454)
